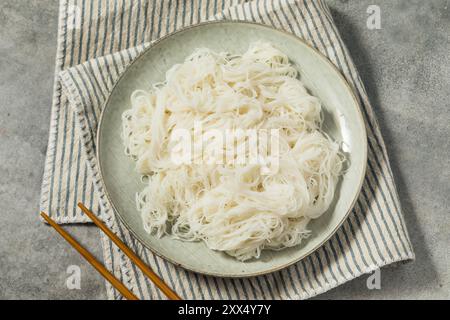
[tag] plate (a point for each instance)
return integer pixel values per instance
(343, 122)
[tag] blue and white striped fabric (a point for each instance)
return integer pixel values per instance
(98, 39)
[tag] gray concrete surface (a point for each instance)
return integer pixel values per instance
(405, 67)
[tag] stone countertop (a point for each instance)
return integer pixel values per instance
(404, 65)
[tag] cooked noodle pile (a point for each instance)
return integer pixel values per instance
(233, 207)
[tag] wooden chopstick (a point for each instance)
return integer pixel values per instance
(133, 257)
(91, 259)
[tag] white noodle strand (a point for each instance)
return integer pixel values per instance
(233, 208)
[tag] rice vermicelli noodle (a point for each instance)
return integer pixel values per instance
(237, 206)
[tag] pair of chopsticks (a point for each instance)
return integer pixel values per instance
(101, 268)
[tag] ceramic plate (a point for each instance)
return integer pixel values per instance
(343, 121)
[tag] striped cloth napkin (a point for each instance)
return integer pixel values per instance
(98, 39)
